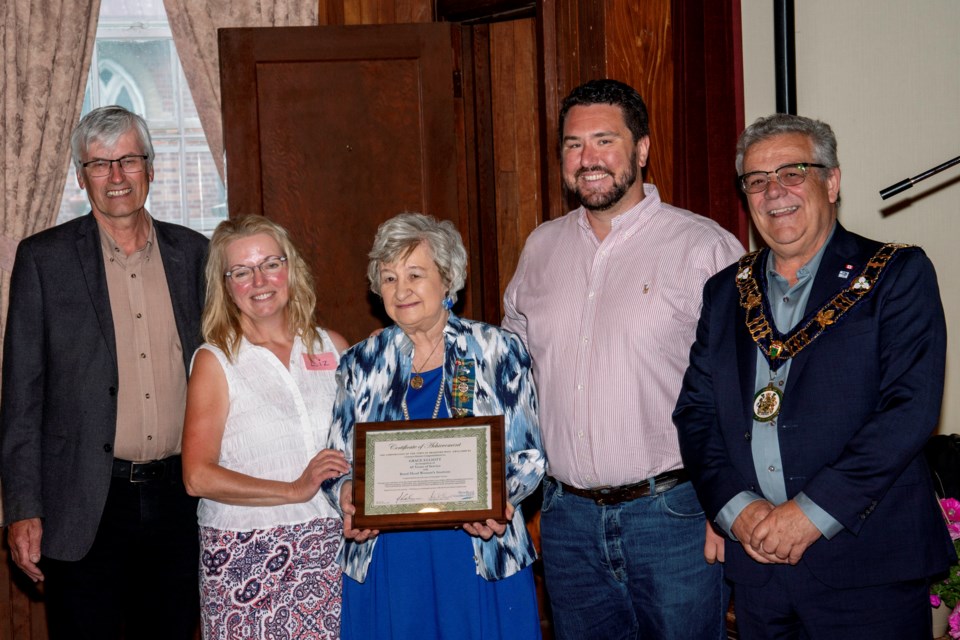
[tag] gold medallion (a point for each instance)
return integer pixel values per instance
(766, 404)
(416, 381)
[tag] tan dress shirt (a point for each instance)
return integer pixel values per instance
(152, 392)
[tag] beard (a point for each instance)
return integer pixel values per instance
(603, 200)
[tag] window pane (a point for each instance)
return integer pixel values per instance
(205, 196)
(138, 75)
(135, 65)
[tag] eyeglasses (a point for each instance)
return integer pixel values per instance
(242, 274)
(128, 164)
(789, 175)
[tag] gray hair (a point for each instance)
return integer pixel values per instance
(819, 133)
(399, 236)
(105, 125)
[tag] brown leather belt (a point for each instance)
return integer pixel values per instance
(605, 496)
(147, 471)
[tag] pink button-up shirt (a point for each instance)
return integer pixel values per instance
(609, 326)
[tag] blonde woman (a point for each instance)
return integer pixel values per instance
(258, 414)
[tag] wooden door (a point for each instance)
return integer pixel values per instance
(331, 130)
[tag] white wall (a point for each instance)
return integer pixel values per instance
(885, 74)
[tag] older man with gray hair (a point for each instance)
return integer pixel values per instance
(104, 316)
(814, 382)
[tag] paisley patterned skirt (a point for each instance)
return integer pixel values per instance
(280, 583)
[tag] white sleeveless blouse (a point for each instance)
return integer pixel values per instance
(279, 418)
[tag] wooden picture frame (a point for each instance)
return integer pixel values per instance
(429, 474)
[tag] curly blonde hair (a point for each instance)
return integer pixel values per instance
(221, 317)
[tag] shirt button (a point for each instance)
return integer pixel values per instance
(579, 387)
(149, 437)
(771, 468)
(786, 298)
(139, 315)
(146, 395)
(133, 275)
(580, 433)
(747, 436)
(591, 294)
(143, 355)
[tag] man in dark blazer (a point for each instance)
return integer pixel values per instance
(103, 319)
(814, 382)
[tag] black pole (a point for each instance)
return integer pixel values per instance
(785, 56)
(903, 185)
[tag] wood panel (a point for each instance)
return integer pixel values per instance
(347, 12)
(22, 613)
(708, 110)
(516, 110)
(331, 170)
(638, 51)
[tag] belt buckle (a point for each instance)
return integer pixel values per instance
(134, 480)
(146, 471)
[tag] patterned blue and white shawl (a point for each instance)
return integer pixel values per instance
(372, 379)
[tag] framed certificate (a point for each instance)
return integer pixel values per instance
(428, 474)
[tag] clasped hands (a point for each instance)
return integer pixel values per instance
(775, 535)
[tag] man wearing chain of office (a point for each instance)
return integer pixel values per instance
(815, 379)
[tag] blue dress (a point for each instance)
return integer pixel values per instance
(424, 584)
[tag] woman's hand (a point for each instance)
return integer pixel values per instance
(346, 505)
(327, 464)
(491, 527)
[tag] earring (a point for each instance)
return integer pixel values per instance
(448, 303)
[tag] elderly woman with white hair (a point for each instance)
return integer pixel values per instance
(475, 582)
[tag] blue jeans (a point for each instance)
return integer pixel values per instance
(630, 571)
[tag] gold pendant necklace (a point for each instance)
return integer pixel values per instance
(436, 406)
(416, 380)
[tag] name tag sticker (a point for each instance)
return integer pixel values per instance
(320, 361)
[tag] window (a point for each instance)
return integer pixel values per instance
(136, 66)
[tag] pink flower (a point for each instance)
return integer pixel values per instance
(951, 509)
(935, 601)
(955, 624)
(954, 529)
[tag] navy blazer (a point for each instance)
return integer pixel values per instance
(858, 406)
(59, 402)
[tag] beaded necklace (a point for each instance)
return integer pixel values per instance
(436, 406)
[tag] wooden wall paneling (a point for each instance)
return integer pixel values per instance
(548, 86)
(22, 611)
(709, 110)
(330, 13)
(353, 12)
(484, 293)
(342, 12)
(516, 139)
(472, 11)
(639, 51)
